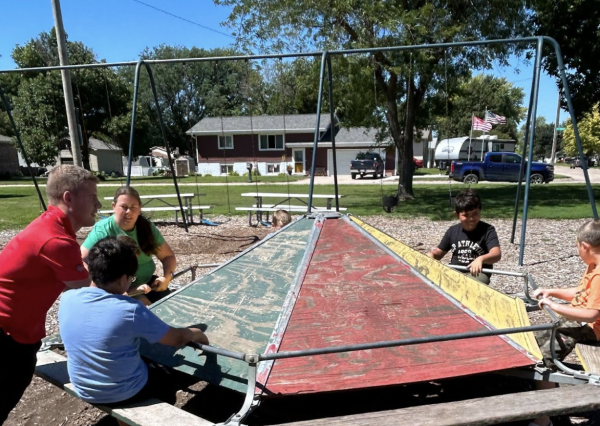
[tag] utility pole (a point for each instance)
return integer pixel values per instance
(66, 81)
(555, 137)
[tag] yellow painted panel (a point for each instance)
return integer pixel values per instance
(497, 309)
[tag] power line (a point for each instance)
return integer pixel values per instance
(184, 19)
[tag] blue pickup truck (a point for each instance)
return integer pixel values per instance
(499, 167)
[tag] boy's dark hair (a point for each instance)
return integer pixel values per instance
(110, 259)
(589, 233)
(467, 200)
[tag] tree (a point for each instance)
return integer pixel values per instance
(191, 91)
(405, 81)
(589, 133)
(543, 138)
(100, 97)
(575, 26)
(474, 96)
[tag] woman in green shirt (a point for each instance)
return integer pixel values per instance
(128, 220)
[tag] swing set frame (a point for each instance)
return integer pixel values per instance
(326, 66)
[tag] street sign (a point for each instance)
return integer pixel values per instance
(559, 129)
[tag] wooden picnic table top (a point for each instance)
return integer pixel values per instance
(145, 197)
(281, 194)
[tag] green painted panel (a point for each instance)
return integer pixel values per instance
(239, 304)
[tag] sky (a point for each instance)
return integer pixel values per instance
(119, 30)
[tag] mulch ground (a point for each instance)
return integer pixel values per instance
(550, 256)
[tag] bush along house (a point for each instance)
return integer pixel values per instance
(276, 144)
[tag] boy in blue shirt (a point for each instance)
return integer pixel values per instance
(101, 329)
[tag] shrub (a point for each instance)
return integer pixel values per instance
(281, 175)
(207, 175)
(234, 173)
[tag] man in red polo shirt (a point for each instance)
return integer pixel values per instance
(35, 267)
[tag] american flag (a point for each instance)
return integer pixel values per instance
(479, 124)
(492, 118)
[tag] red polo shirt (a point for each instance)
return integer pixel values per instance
(33, 268)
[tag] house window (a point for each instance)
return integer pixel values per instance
(271, 143)
(226, 142)
(273, 168)
(226, 169)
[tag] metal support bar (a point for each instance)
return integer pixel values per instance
(251, 401)
(317, 134)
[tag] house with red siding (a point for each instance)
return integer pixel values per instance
(271, 143)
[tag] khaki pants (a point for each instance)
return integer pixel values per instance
(568, 334)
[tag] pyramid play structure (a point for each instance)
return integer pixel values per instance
(333, 280)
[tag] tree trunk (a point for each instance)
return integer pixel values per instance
(405, 164)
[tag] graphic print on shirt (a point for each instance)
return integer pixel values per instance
(466, 251)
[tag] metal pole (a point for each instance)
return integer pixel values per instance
(168, 148)
(317, 124)
(136, 86)
(536, 87)
(333, 123)
(63, 57)
(563, 76)
(18, 136)
(521, 169)
(555, 136)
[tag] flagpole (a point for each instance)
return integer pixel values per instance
(485, 131)
(470, 137)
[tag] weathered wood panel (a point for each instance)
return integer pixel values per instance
(356, 292)
(589, 355)
(477, 412)
(498, 309)
(239, 304)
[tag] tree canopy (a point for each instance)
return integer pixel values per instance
(406, 81)
(589, 133)
(576, 27)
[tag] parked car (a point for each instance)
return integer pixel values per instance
(418, 163)
(500, 167)
(367, 163)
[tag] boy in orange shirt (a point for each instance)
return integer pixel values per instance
(581, 320)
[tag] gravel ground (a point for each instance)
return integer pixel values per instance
(550, 256)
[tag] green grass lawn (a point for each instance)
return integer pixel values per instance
(20, 205)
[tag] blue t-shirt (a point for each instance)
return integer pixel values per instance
(101, 332)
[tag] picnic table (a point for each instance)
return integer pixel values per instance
(284, 202)
(168, 202)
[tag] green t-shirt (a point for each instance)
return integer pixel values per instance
(109, 228)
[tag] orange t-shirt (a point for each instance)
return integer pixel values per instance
(588, 295)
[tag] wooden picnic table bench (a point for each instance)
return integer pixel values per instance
(52, 367)
(259, 207)
(477, 412)
(167, 205)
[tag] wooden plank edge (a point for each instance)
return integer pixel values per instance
(52, 367)
(477, 412)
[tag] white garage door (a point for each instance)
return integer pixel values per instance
(343, 157)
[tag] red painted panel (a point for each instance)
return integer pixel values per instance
(354, 292)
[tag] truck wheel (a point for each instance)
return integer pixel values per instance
(353, 175)
(536, 179)
(471, 179)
